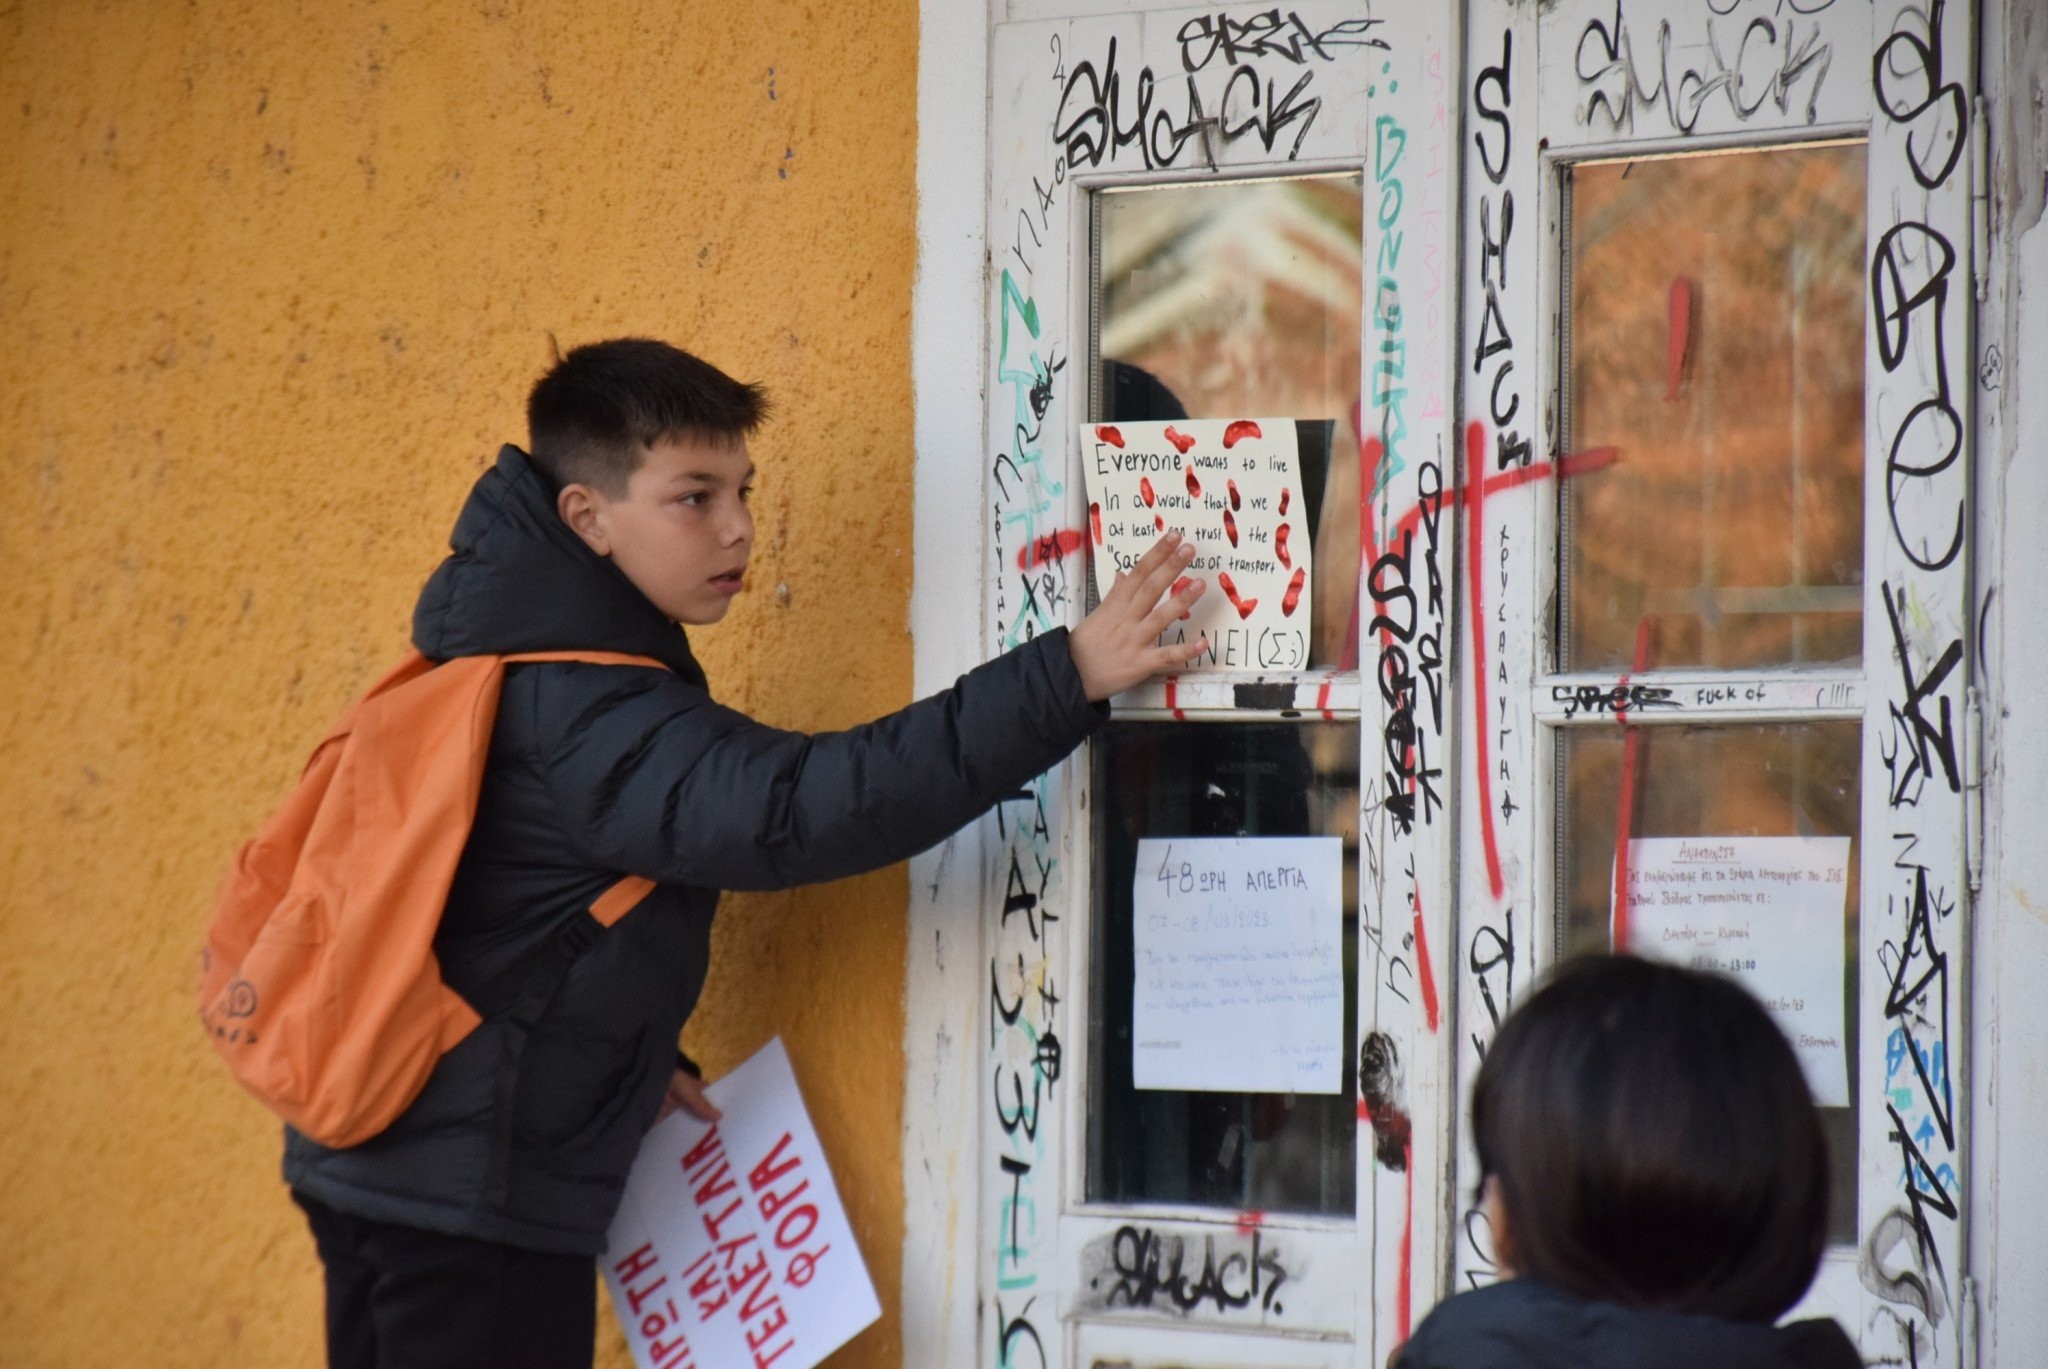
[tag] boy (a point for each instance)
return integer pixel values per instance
(465, 1234)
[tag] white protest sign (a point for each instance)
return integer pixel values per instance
(730, 1246)
(1239, 957)
(1768, 911)
(1233, 488)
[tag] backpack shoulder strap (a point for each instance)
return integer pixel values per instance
(526, 984)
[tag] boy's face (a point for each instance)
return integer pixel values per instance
(682, 532)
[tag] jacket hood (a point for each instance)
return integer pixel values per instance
(1523, 1324)
(518, 579)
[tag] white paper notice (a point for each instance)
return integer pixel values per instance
(1767, 911)
(730, 1246)
(1240, 964)
(1233, 488)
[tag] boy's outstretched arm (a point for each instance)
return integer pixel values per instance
(1115, 647)
(651, 777)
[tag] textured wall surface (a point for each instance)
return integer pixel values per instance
(273, 280)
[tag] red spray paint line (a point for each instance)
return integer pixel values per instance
(1230, 527)
(1181, 441)
(1323, 702)
(1237, 431)
(1280, 544)
(1173, 699)
(1194, 485)
(1095, 522)
(1579, 463)
(1625, 802)
(1292, 599)
(1111, 436)
(1244, 607)
(1250, 1220)
(1236, 499)
(1055, 546)
(1678, 336)
(1404, 1277)
(1145, 490)
(1370, 453)
(1475, 576)
(1425, 973)
(1285, 495)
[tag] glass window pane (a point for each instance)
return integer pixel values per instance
(1242, 299)
(1757, 780)
(1276, 1152)
(1715, 343)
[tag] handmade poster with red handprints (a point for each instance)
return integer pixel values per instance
(1233, 487)
(730, 1246)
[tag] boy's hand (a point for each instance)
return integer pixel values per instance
(686, 1090)
(1115, 646)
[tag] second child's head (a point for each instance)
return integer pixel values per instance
(1647, 1138)
(646, 449)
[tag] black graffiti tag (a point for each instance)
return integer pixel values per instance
(1917, 742)
(1906, 76)
(1149, 1269)
(1617, 699)
(1101, 112)
(1763, 63)
(1492, 96)
(1909, 280)
(1266, 34)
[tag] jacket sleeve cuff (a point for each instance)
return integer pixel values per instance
(1063, 683)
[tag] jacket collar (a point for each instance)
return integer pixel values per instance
(518, 579)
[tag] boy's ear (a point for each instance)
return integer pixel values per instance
(580, 507)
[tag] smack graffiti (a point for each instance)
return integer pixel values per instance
(1239, 78)
(1753, 54)
(1149, 1270)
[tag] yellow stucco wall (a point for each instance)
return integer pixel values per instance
(273, 281)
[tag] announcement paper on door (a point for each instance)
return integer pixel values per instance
(1233, 488)
(1239, 964)
(1768, 911)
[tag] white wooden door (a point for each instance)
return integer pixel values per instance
(1146, 168)
(1732, 602)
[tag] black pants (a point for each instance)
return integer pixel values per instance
(402, 1298)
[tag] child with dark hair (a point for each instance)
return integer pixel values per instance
(1656, 1180)
(464, 1235)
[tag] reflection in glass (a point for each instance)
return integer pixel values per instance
(1240, 299)
(1764, 779)
(1715, 338)
(1277, 1152)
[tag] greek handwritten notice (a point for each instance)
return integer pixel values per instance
(730, 1247)
(1768, 911)
(1240, 964)
(1233, 488)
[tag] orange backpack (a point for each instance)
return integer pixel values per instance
(318, 982)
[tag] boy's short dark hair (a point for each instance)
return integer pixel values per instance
(592, 418)
(1655, 1142)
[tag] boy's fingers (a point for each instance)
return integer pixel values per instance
(1157, 557)
(1156, 575)
(687, 1091)
(1173, 608)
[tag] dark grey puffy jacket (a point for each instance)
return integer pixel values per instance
(1523, 1324)
(524, 1135)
